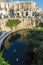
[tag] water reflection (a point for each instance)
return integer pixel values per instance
(15, 48)
(16, 54)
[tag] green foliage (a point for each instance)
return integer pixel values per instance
(2, 61)
(0, 29)
(12, 22)
(36, 39)
(38, 29)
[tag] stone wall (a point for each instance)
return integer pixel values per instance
(25, 23)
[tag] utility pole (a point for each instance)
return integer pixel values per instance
(31, 22)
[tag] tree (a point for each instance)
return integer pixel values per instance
(12, 22)
(35, 47)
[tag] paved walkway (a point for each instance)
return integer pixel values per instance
(3, 37)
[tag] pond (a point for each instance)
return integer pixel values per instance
(15, 54)
(22, 48)
(15, 48)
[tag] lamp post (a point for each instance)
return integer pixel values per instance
(22, 13)
(31, 23)
(30, 12)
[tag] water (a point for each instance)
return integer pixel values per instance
(15, 54)
(17, 50)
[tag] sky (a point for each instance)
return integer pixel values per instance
(39, 2)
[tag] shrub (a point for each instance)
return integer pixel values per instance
(2, 61)
(35, 40)
(12, 22)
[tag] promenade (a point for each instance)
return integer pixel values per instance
(2, 37)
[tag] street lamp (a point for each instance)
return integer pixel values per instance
(31, 23)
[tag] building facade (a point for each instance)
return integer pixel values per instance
(27, 12)
(17, 9)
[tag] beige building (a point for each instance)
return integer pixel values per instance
(17, 9)
(27, 12)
